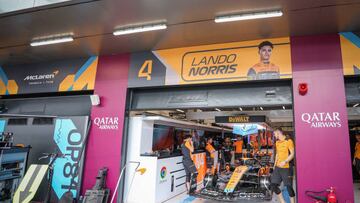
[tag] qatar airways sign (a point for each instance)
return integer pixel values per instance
(322, 119)
(107, 123)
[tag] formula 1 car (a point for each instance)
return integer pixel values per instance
(250, 180)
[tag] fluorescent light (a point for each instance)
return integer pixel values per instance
(179, 110)
(144, 28)
(47, 41)
(355, 105)
(240, 108)
(217, 109)
(247, 16)
(284, 107)
(261, 108)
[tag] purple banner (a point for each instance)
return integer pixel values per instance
(106, 133)
(321, 126)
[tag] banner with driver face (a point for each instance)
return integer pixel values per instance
(238, 61)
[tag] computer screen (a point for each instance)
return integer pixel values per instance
(163, 137)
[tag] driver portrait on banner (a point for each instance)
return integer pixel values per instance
(264, 69)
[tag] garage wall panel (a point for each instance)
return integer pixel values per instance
(232, 95)
(322, 143)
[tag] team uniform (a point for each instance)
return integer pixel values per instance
(263, 139)
(261, 71)
(227, 153)
(238, 144)
(210, 157)
(282, 173)
(189, 165)
(357, 157)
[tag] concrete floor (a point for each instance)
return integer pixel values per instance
(357, 192)
(184, 198)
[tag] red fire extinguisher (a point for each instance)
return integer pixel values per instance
(331, 197)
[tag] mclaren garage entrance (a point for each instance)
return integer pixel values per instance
(211, 143)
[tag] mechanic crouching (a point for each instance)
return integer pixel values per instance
(284, 154)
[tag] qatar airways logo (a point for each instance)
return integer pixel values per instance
(322, 119)
(107, 123)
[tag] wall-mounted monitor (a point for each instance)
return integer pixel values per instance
(163, 137)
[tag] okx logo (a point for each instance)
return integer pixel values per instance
(66, 169)
(163, 172)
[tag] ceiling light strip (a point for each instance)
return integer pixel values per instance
(248, 16)
(144, 28)
(51, 41)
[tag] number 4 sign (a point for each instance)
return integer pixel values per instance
(146, 70)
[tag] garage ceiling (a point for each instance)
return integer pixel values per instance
(190, 22)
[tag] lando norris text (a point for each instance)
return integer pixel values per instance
(213, 65)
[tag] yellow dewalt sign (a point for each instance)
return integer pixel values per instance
(30, 183)
(239, 119)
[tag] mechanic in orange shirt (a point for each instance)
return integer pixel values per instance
(285, 152)
(187, 148)
(356, 160)
(238, 144)
(254, 144)
(210, 155)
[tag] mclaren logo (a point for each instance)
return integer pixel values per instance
(41, 77)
